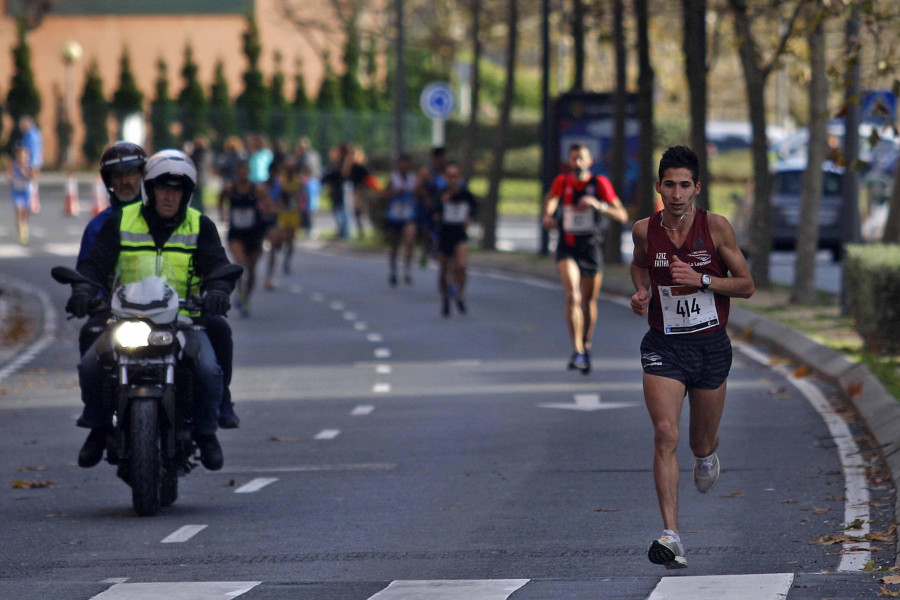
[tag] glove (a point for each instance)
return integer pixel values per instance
(216, 303)
(79, 303)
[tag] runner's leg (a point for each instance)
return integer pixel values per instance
(664, 398)
(570, 277)
(590, 292)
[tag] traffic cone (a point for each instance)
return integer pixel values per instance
(71, 206)
(100, 200)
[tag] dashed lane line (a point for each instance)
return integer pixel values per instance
(182, 590)
(183, 534)
(362, 410)
(774, 586)
(327, 434)
(255, 485)
(484, 589)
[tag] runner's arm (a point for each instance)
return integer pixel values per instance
(640, 270)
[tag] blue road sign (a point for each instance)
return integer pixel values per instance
(878, 107)
(437, 100)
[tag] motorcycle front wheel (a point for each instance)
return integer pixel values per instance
(145, 458)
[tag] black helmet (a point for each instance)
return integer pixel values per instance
(173, 168)
(119, 158)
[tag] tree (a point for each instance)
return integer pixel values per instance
(646, 199)
(696, 68)
(301, 99)
(612, 251)
(808, 227)
(578, 31)
(191, 100)
(375, 99)
(23, 97)
(94, 113)
(351, 90)
(756, 72)
(222, 119)
(127, 99)
(278, 104)
(162, 110)
(252, 103)
(329, 97)
(468, 164)
(489, 220)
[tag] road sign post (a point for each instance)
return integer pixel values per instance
(437, 102)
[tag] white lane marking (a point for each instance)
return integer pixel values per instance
(181, 590)
(336, 305)
(47, 336)
(317, 298)
(183, 534)
(328, 434)
(13, 251)
(774, 586)
(360, 326)
(60, 249)
(588, 403)
(314, 468)
(467, 589)
(381, 388)
(295, 289)
(255, 485)
(382, 353)
(349, 316)
(115, 580)
(375, 337)
(383, 369)
(362, 410)
(857, 554)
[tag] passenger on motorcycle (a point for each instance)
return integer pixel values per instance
(162, 226)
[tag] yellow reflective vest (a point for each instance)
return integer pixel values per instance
(139, 257)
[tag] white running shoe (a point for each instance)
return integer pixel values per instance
(706, 472)
(668, 551)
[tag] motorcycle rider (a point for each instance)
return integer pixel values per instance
(121, 168)
(161, 226)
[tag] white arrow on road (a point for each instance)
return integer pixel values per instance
(587, 403)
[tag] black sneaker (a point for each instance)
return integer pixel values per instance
(578, 362)
(587, 363)
(461, 306)
(92, 450)
(445, 307)
(227, 418)
(407, 280)
(210, 451)
(393, 280)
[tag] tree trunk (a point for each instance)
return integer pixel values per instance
(489, 220)
(755, 79)
(468, 166)
(646, 176)
(892, 226)
(808, 229)
(578, 43)
(612, 249)
(695, 65)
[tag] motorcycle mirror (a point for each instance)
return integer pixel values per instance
(67, 276)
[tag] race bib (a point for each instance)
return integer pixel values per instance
(685, 309)
(243, 218)
(401, 211)
(578, 221)
(456, 213)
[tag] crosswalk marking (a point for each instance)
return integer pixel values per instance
(207, 590)
(362, 410)
(774, 586)
(183, 534)
(328, 434)
(255, 485)
(463, 589)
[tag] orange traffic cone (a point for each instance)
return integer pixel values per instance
(71, 206)
(100, 200)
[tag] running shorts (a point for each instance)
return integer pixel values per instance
(252, 239)
(449, 241)
(587, 254)
(697, 361)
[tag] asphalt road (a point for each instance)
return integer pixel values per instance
(386, 452)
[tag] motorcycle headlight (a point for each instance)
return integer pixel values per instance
(133, 334)
(160, 338)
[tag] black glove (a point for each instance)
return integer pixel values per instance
(216, 303)
(79, 302)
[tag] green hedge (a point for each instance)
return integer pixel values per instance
(872, 287)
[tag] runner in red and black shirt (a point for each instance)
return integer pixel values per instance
(686, 267)
(576, 205)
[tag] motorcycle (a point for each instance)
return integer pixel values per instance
(144, 352)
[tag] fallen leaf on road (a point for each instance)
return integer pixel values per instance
(22, 484)
(29, 469)
(734, 494)
(275, 438)
(890, 579)
(879, 537)
(801, 371)
(885, 592)
(854, 389)
(833, 539)
(817, 510)
(606, 510)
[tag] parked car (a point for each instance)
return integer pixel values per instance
(786, 198)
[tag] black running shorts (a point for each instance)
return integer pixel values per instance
(697, 361)
(587, 254)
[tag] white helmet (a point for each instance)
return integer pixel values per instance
(173, 168)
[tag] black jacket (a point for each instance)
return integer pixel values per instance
(100, 263)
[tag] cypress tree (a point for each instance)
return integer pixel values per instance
(375, 98)
(222, 117)
(94, 113)
(329, 97)
(161, 110)
(351, 91)
(252, 104)
(279, 125)
(23, 97)
(127, 99)
(191, 99)
(301, 99)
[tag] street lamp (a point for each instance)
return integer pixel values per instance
(71, 53)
